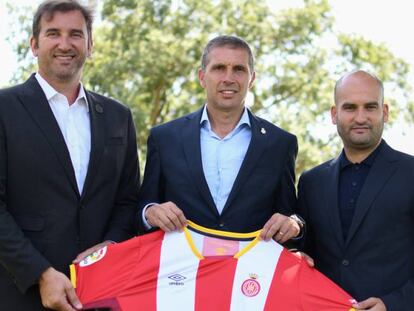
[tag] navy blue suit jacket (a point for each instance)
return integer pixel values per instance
(263, 186)
(377, 259)
(44, 220)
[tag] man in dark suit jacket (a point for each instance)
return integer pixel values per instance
(359, 207)
(221, 166)
(68, 166)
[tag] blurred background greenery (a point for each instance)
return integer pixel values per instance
(147, 52)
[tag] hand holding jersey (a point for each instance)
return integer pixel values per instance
(168, 217)
(282, 228)
(57, 292)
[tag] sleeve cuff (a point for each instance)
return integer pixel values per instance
(144, 220)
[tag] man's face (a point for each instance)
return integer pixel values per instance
(227, 78)
(62, 46)
(359, 113)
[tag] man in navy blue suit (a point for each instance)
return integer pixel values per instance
(359, 207)
(221, 166)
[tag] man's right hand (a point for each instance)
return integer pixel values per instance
(57, 292)
(166, 216)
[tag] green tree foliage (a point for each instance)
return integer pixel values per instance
(147, 52)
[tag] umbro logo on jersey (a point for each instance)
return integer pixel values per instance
(177, 279)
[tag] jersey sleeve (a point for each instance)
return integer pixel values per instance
(96, 281)
(317, 292)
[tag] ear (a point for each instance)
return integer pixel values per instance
(252, 79)
(34, 46)
(201, 75)
(334, 115)
(386, 112)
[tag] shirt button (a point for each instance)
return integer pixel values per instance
(354, 184)
(345, 262)
(351, 201)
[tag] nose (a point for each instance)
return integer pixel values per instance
(228, 75)
(64, 43)
(360, 116)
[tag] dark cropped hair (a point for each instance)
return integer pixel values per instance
(228, 41)
(49, 7)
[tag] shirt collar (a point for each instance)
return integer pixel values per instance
(369, 161)
(205, 121)
(50, 92)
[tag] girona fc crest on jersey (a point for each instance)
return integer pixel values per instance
(250, 287)
(94, 257)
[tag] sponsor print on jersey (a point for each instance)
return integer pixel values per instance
(94, 257)
(219, 247)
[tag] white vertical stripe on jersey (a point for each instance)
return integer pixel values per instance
(252, 264)
(175, 286)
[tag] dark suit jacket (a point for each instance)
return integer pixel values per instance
(44, 220)
(377, 259)
(263, 186)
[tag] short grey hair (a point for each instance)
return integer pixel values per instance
(233, 42)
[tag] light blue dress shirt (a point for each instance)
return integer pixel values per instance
(223, 157)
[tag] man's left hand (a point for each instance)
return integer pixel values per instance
(281, 228)
(90, 251)
(370, 304)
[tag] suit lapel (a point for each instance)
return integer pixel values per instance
(96, 114)
(192, 150)
(257, 146)
(36, 104)
(331, 204)
(379, 174)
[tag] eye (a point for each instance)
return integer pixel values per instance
(77, 34)
(219, 67)
(239, 69)
(372, 107)
(348, 107)
(52, 33)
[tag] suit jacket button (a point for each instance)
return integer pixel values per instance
(345, 262)
(221, 225)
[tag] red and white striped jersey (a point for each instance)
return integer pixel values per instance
(202, 269)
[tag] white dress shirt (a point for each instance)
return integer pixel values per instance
(74, 123)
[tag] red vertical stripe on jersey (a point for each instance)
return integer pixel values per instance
(146, 275)
(320, 293)
(214, 285)
(284, 291)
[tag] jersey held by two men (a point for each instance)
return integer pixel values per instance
(202, 269)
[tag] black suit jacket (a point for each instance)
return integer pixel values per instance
(44, 220)
(377, 259)
(263, 186)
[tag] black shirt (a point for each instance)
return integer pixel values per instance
(351, 179)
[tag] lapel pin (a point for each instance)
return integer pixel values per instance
(98, 108)
(263, 131)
